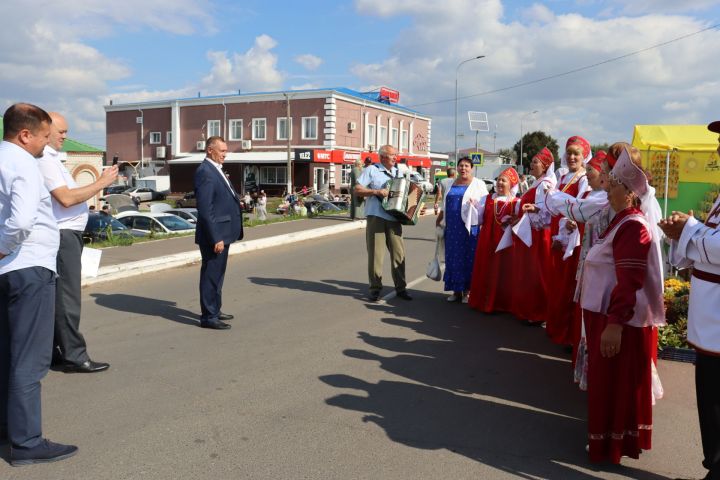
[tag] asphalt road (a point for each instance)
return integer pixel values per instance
(312, 382)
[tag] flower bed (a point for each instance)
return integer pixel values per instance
(677, 292)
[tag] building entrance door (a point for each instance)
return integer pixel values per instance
(321, 180)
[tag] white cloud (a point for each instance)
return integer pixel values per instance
(637, 7)
(253, 70)
(602, 103)
(305, 86)
(309, 61)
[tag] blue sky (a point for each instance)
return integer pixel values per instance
(74, 56)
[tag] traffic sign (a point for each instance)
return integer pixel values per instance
(476, 158)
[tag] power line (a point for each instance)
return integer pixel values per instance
(569, 72)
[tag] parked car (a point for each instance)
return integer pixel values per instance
(112, 189)
(157, 223)
(187, 214)
(490, 184)
(188, 200)
(100, 226)
(144, 194)
(419, 179)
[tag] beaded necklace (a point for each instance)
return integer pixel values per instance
(499, 213)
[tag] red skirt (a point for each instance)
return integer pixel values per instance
(563, 322)
(531, 269)
(491, 288)
(619, 393)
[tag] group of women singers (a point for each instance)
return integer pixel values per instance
(584, 244)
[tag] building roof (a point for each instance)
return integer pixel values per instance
(70, 145)
(370, 97)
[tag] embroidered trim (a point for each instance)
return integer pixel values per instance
(619, 436)
(572, 180)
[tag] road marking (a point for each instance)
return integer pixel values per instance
(393, 294)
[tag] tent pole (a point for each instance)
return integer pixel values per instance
(667, 178)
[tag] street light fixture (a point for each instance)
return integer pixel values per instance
(457, 70)
(520, 160)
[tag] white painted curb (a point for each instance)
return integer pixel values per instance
(130, 269)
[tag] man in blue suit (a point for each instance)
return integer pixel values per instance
(219, 224)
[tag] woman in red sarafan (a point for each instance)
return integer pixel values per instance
(563, 322)
(622, 302)
(531, 263)
(491, 288)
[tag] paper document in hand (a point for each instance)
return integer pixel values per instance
(90, 262)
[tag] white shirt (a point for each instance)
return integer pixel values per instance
(56, 176)
(699, 247)
(28, 231)
(219, 167)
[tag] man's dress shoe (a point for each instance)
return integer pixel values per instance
(88, 366)
(225, 316)
(217, 325)
(404, 295)
(45, 452)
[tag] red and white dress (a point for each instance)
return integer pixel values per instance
(563, 321)
(532, 264)
(491, 288)
(622, 284)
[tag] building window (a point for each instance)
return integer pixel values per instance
(345, 174)
(394, 137)
(404, 141)
(273, 175)
(370, 136)
(213, 128)
(235, 131)
(155, 138)
(282, 128)
(383, 136)
(309, 128)
(258, 132)
(168, 138)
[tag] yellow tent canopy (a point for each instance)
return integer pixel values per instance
(692, 138)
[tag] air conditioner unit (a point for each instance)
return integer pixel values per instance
(200, 145)
(352, 126)
(246, 144)
(160, 153)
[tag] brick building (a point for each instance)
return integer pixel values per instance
(329, 129)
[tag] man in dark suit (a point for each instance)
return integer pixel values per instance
(219, 224)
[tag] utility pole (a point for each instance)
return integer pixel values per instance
(288, 129)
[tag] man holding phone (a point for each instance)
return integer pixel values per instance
(71, 213)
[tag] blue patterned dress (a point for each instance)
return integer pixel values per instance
(459, 244)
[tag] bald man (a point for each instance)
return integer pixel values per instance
(71, 213)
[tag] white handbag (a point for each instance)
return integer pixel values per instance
(434, 268)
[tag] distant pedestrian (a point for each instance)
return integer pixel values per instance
(442, 187)
(29, 241)
(356, 202)
(523, 185)
(91, 208)
(261, 207)
(105, 210)
(71, 213)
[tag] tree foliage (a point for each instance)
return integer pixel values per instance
(507, 153)
(532, 143)
(600, 146)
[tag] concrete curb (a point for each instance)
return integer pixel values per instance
(131, 269)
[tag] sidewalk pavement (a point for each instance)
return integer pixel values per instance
(152, 256)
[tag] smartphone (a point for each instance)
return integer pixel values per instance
(115, 160)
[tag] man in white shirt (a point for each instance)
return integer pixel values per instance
(71, 213)
(28, 246)
(697, 245)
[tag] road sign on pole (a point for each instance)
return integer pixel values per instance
(476, 158)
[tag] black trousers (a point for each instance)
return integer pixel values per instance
(212, 276)
(69, 343)
(27, 300)
(707, 387)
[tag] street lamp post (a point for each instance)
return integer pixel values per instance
(457, 71)
(520, 160)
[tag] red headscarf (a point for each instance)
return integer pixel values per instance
(610, 159)
(597, 160)
(546, 157)
(511, 174)
(578, 141)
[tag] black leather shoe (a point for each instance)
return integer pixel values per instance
(404, 295)
(225, 316)
(215, 325)
(45, 452)
(374, 296)
(87, 366)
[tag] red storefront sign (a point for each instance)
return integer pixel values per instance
(392, 96)
(346, 157)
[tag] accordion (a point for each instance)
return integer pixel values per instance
(404, 201)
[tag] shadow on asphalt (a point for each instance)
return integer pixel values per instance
(484, 387)
(154, 307)
(331, 287)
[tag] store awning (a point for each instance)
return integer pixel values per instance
(688, 138)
